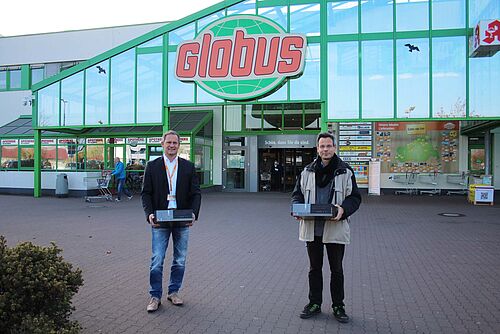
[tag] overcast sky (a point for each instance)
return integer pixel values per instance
(22, 17)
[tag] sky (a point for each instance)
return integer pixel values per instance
(23, 17)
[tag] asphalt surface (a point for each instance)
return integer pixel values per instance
(407, 270)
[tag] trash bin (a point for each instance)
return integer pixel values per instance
(62, 185)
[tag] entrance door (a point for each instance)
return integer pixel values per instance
(295, 160)
(233, 172)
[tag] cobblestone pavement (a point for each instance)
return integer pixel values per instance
(407, 270)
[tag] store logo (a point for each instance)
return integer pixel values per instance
(241, 57)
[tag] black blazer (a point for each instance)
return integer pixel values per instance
(155, 187)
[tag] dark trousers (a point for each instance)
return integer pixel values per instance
(335, 254)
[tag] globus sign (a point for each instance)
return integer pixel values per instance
(241, 57)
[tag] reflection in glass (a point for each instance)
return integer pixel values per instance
(27, 157)
(235, 171)
(48, 105)
(245, 7)
(72, 100)
(304, 19)
(36, 75)
(95, 157)
(253, 119)
(484, 86)
(184, 33)
(178, 91)
(342, 17)
(3, 79)
(483, 9)
(448, 76)
(343, 90)
(292, 116)
(412, 15)
(158, 41)
(376, 15)
(66, 156)
(9, 157)
(149, 83)
(312, 116)
(279, 95)
(378, 79)
(232, 117)
(203, 97)
(277, 14)
(307, 86)
(203, 22)
(48, 157)
(412, 78)
(273, 116)
(448, 14)
(15, 79)
(122, 87)
(96, 90)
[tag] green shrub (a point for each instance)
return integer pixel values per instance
(36, 287)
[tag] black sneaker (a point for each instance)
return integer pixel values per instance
(310, 310)
(339, 314)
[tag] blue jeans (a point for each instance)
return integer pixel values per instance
(159, 242)
(121, 189)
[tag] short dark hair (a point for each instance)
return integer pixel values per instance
(170, 132)
(326, 135)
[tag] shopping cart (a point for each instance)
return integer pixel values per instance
(102, 186)
(408, 179)
(265, 178)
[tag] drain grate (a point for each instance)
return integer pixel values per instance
(451, 214)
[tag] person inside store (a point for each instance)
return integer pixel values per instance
(327, 179)
(120, 176)
(170, 182)
(276, 176)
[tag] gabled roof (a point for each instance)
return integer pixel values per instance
(135, 42)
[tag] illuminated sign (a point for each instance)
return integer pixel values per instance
(241, 57)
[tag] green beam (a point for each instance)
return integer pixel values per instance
(37, 174)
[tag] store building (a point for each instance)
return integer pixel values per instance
(249, 84)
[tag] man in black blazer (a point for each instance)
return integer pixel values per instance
(170, 182)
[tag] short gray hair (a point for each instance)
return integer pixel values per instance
(170, 132)
(326, 135)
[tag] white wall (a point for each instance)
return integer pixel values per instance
(11, 105)
(67, 46)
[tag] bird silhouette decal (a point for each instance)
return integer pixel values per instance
(101, 70)
(412, 47)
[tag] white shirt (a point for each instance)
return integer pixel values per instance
(171, 169)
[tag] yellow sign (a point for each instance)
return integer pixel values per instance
(355, 148)
(416, 129)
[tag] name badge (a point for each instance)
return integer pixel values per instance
(170, 197)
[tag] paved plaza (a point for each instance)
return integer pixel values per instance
(407, 270)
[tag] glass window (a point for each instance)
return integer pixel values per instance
(96, 90)
(114, 152)
(178, 91)
(245, 7)
(184, 33)
(448, 76)
(376, 15)
(158, 41)
(122, 87)
(279, 95)
(307, 86)
(233, 118)
(484, 86)
(304, 19)
(342, 17)
(447, 14)
(203, 22)
(49, 157)
(10, 157)
(203, 97)
(3, 79)
(72, 100)
(66, 156)
(48, 105)
(412, 15)
(27, 157)
(483, 10)
(37, 75)
(292, 116)
(413, 78)
(273, 116)
(343, 90)
(80, 158)
(278, 14)
(95, 157)
(378, 79)
(253, 118)
(149, 84)
(312, 116)
(15, 79)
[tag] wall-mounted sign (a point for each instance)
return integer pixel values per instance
(95, 141)
(486, 39)
(66, 141)
(241, 57)
(48, 141)
(136, 141)
(27, 142)
(355, 147)
(9, 142)
(287, 141)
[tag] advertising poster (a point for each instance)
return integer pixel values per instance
(355, 147)
(420, 147)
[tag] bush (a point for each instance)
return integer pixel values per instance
(36, 287)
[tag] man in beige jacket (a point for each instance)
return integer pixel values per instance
(328, 179)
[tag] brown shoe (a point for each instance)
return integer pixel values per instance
(175, 299)
(153, 305)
